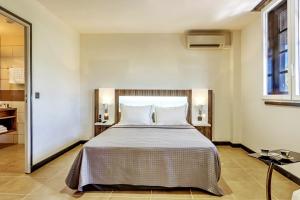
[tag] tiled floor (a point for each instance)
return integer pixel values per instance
(243, 178)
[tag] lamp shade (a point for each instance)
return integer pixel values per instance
(107, 95)
(199, 101)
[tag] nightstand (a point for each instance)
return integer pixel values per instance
(100, 127)
(204, 128)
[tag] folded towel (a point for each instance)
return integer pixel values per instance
(3, 131)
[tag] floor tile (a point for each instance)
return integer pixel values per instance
(129, 198)
(141, 194)
(171, 194)
(21, 185)
(97, 194)
(246, 190)
(250, 163)
(284, 189)
(11, 197)
(235, 174)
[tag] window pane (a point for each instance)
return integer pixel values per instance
(283, 45)
(282, 20)
(270, 84)
(283, 83)
(283, 62)
(277, 66)
(270, 66)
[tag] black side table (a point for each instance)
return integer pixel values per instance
(295, 157)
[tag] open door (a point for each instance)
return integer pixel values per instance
(14, 74)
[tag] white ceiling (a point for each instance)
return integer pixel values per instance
(152, 16)
(10, 28)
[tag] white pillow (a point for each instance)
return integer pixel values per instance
(136, 115)
(171, 115)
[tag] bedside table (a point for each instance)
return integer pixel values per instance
(100, 127)
(204, 128)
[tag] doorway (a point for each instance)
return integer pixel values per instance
(15, 94)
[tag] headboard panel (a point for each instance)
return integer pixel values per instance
(137, 92)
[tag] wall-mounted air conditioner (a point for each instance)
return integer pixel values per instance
(208, 39)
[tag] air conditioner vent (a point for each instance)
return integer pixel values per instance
(208, 39)
(204, 45)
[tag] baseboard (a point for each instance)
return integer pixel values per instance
(222, 143)
(246, 148)
(83, 141)
(50, 158)
(234, 145)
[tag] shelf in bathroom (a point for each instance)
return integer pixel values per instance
(9, 131)
(8, 117)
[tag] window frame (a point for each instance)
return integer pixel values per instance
(265, 12)
(295, 20)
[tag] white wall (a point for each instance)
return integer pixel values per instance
(235, 88)
(263, 126)
(55, 75)
(153, 61)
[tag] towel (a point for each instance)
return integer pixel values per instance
(3, 131)
(16, 75)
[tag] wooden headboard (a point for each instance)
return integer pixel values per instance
(158, 92)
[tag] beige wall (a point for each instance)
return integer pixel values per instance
(153, 61)
(55, 71)
(235, 88)
(263, 126)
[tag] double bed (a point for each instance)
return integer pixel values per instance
(163, 156)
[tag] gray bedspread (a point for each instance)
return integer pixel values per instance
(167, 156)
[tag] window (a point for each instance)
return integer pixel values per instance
(297, 50)
(281, 35)
(277, 50)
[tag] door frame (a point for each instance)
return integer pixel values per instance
(28, 86)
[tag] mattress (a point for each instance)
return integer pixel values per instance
(166, 156)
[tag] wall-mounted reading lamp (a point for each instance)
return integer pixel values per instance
(106, 101)
(106, 115)
(200, 102)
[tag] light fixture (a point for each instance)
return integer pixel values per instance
(200, 112)
(106, 115)
(200, 102)
(107, 96)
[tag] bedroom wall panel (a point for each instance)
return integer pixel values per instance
(153, 61)
(235, 87)
(55, 69)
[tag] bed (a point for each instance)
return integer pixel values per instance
(166, 156)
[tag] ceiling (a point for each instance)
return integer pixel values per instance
(152, 16)
(10, 28)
